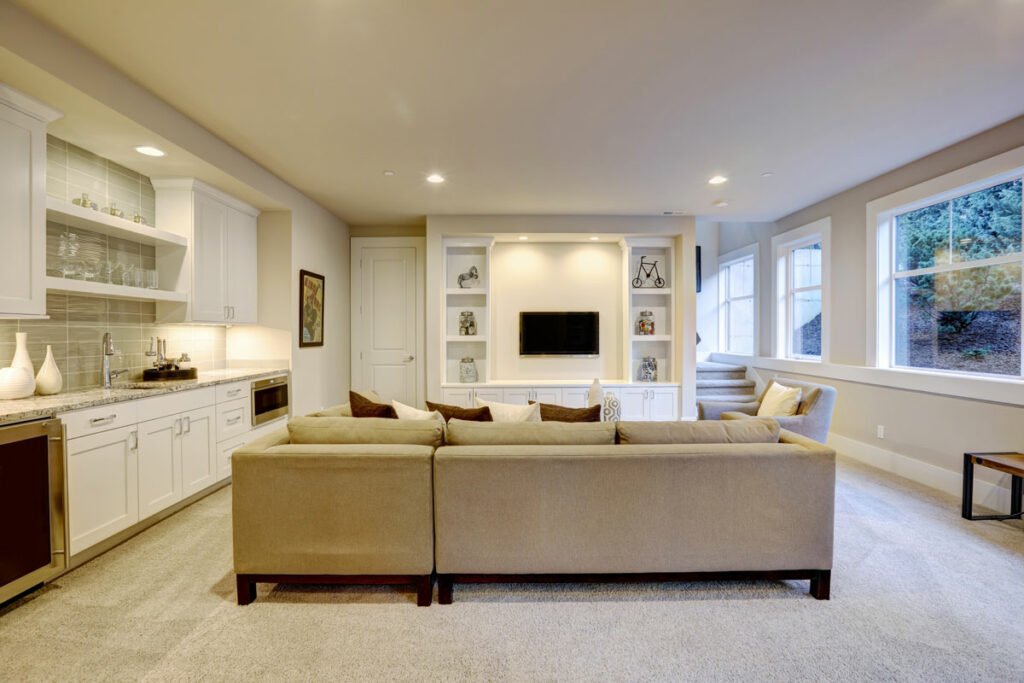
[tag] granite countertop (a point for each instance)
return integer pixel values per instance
(38, 407)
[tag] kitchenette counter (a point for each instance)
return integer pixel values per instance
(39, 407)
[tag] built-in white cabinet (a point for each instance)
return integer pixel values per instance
(220, 271)
(638, 401)
(23, 122)
(575, 397)
(198, 450)
(649, 403)
(159, 464)
(457, 397)
(102, 486)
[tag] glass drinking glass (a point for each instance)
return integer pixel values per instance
(152, 279)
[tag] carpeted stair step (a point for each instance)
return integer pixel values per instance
(712, 370)
(724, 387)
(748, 398)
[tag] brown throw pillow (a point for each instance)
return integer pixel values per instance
(364, 407)
(550, 412)
(459, 413)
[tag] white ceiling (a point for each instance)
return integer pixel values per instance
(569, 106)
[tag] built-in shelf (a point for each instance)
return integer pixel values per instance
(664, 291)
(467, 337)
(473, 291)
(60, 284)
(65, 212)
(652, 337)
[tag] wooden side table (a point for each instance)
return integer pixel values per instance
(1010, 463)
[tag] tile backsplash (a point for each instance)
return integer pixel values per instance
(75, 333)
(71, 170)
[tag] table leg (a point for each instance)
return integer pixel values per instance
(968, 496)
(1015, 495)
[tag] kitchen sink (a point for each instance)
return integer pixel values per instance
(154, 375)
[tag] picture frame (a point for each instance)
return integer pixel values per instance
(311, 309)
(699, 278)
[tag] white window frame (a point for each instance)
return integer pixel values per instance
(750, 253)
(782, 248)
(882, 259)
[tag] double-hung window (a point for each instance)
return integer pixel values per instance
(737, 277)
(801, 287)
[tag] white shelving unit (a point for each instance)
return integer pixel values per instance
(660, 301)
(459, 256)
(75, 216)
(89, 288)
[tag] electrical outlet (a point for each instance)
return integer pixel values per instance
(880, 431)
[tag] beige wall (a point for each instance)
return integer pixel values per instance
(388, 230)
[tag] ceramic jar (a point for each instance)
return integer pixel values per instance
(467, 371)
(467, 323)
(648, 370)
(645, 325)
(49, 380)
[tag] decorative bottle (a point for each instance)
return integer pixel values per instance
(49, 380)
(22, 359)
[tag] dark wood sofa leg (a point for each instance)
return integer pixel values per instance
(246, 589)
(821, 584)
(424, 591)
(445, 588)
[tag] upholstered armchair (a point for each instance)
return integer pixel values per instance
(813, 416)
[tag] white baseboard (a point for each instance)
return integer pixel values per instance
(986, 494)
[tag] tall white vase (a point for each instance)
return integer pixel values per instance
(49, 380)
(21, 357)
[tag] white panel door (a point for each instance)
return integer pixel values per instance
(198, 450)
(388, 330)
(552, 395)
(519, 396)
(663, 404)
(103, 486)
(241, 267)
(22, 228)
(159, 465)
(209, 276)
(634, 403)
(457, 397)
(575, 398)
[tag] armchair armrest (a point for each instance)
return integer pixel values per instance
(712, 410)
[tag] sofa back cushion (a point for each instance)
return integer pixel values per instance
(366, 430)
(549, 412)
(464, 433)
(345, 409)
(754, 430)
(364, 407)
(458, 412)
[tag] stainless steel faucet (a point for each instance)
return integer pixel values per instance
(108, 351)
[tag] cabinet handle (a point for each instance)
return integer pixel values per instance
(96, 421)
(232, 312)
(235, 392)
(177, 427)
(135, 441)
(226, 316)
(234, 420)
(188, 425)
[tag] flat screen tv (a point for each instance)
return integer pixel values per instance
(574, 333)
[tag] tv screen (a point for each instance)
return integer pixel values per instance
(559, 334)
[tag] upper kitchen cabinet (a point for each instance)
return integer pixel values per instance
(23, 122)
(219, 270)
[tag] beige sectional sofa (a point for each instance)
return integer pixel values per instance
(532, 501)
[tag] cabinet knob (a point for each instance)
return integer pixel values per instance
(409, 359)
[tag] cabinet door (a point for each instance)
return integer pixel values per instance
(490, 395)
(552, 395)
(22, 213)
(159, 464)
(518, 396)
(663, 404)
(634, 403)
(575, 398)
(103, 486)
(457, 397)
(209, 276)
(241, 267)
(224, 451)
(198, 450)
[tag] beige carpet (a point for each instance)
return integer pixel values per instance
(917, 594)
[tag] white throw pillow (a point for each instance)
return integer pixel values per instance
(405, 412)
(510, 412)
(779, 401)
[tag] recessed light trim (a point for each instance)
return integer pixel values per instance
(594, 238)
(767, 174)
(150, 151)
(435, 178)
(389, 173)
(720, 203)
(717, 180)
(523, 238)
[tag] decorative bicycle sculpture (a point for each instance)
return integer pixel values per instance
(646, 272)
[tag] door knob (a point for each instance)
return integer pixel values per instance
(409, 359)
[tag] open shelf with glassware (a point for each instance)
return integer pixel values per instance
(466, 314)
(75, 216)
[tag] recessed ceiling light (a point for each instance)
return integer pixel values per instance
(435, 178)
(767, 174)
(389, 174)
(149, 151)
(720, 203)
(717, 180)
(594, 239)
(523, 238)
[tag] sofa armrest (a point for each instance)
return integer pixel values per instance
(332, 509)
(712, 410)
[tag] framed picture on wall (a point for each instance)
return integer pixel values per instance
(311, 309)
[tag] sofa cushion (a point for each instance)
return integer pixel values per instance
(779, 401)
(366, 430)
(458, 412)
(754, 430)
(511, 412)
(405, 412)
(549, 412)
(464, 433)
(364, 407)
(345, 409)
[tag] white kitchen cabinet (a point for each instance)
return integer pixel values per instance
(518, 395)
(159, 464)
(523, 395)
(551, 395)
(649, 403)
(102, 486)
(573, 397)
(457, 397)
(198, 450)
(221, 270)
(633, 402)
(224, 451)
(489, 394)
(23, 122)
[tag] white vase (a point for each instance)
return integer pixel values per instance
(22, 359)
(49, 380)
(16, 383)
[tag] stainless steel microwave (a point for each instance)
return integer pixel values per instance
(269, 399)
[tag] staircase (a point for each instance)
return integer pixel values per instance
(723, 382)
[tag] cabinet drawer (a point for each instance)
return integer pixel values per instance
(235, 390)
(233, 419)
(101, 419)
(177, 402)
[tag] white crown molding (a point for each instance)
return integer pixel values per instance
(28, 105)
(197, 185)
